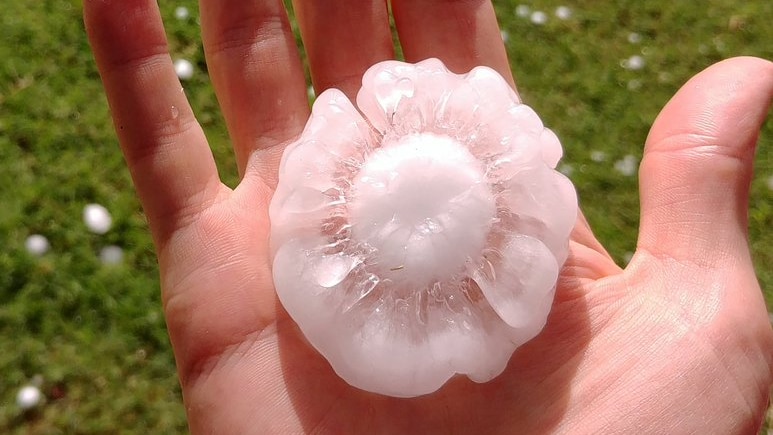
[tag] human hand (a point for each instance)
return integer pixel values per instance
(678, 342)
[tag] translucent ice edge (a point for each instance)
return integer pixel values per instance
(420, 235)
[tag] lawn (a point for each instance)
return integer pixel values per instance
(93, 334)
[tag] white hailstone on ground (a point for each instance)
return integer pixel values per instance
(181, 13)
(36, 244)
(183, 68)
(563, 12)
(420, 234)
(719, 44)
(566, 169)
(770, 182)
(598, 156)
(111, 254)
(310, 92)
(539, 18)
(627, 165)
(28, 397)
(505, 36)
(97, 218)
(634, 63)
(634, 38)
(634, 84)
(522, 11)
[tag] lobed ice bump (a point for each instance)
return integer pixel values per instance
(330, 270)
(520, 279)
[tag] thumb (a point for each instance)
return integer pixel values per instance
(697, 165)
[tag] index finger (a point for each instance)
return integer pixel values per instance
(168, 156)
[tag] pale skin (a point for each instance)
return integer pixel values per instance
(677, 342)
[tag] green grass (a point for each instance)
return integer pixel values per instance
(96, 334)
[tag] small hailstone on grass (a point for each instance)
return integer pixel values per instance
(111, 255)
(28, 397)
(420, 235)
(634, 38)
(719, 44)
(97, 218)
(634, 84)
(598, 156)
(770, 182)
(183, 68)
(539, 18)
(522, 11)
(627, 165)
(505, 36)
(634, 63)
(36, 244)
(563, 12)
(181, 13)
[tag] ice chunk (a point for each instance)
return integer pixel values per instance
(563, 12)
(28, 397)
(111, 255)
(181, 13)
(598, 156)
(634, 62)
(37, 244)
(634, 38)
(539, 18)
(420, 237)
(627, 165)
(97, 218)
(183, 68)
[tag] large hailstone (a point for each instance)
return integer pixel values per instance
(421, 236)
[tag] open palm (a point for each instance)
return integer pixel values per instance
(678, 342)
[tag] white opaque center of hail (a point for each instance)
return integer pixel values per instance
(424, 205)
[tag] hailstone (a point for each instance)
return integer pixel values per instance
(420, 235)
(97, 218)
(181, 13)
(28, 397)
(111, 255)
(37, 244)
(183, 68)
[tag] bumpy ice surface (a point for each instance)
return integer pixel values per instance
(421, 236)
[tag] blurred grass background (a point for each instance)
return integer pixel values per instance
(94, 334)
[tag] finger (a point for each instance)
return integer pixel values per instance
(257, 75)
(342, 39)
(463, 34)
(697, 164)
(166, 151)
